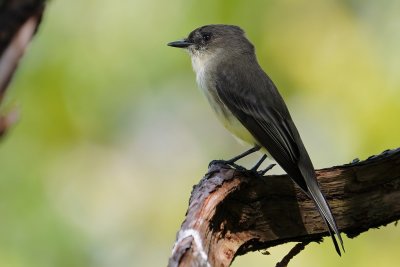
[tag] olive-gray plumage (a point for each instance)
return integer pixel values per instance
(249, 105)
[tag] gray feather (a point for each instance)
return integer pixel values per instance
(257, 104)
(243, 95)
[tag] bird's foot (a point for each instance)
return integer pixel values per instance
(258, 164)
(254, 171)
(263, 172)
(227, 162)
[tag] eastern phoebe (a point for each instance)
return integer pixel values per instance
(248, 104)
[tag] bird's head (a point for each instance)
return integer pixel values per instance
(215, 38)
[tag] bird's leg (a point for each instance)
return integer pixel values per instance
(244, 154)
(262, 172)
(232, 161)
(258, 164)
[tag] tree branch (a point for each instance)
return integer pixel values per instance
(231, 213)
(19, 20)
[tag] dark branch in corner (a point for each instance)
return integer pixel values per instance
(19, 20)
(293, 252)
(231, 213)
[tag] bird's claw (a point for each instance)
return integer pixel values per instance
(253, 171)
(263, 172)
(228, 163)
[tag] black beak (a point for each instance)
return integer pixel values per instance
(180, 44)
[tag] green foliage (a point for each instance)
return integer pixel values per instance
(113, 133)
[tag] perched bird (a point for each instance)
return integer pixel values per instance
(248, 104)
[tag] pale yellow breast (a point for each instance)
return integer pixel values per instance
(225, 116)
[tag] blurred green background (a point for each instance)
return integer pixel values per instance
(113, 132)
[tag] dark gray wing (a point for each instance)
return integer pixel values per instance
(254, 100)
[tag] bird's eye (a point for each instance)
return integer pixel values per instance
(206, 36)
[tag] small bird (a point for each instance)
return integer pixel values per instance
(249, 105)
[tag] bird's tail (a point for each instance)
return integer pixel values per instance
(326, 213)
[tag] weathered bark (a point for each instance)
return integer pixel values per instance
(19, 20)
(231, 213)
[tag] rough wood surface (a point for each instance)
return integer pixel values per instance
(231, 213)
